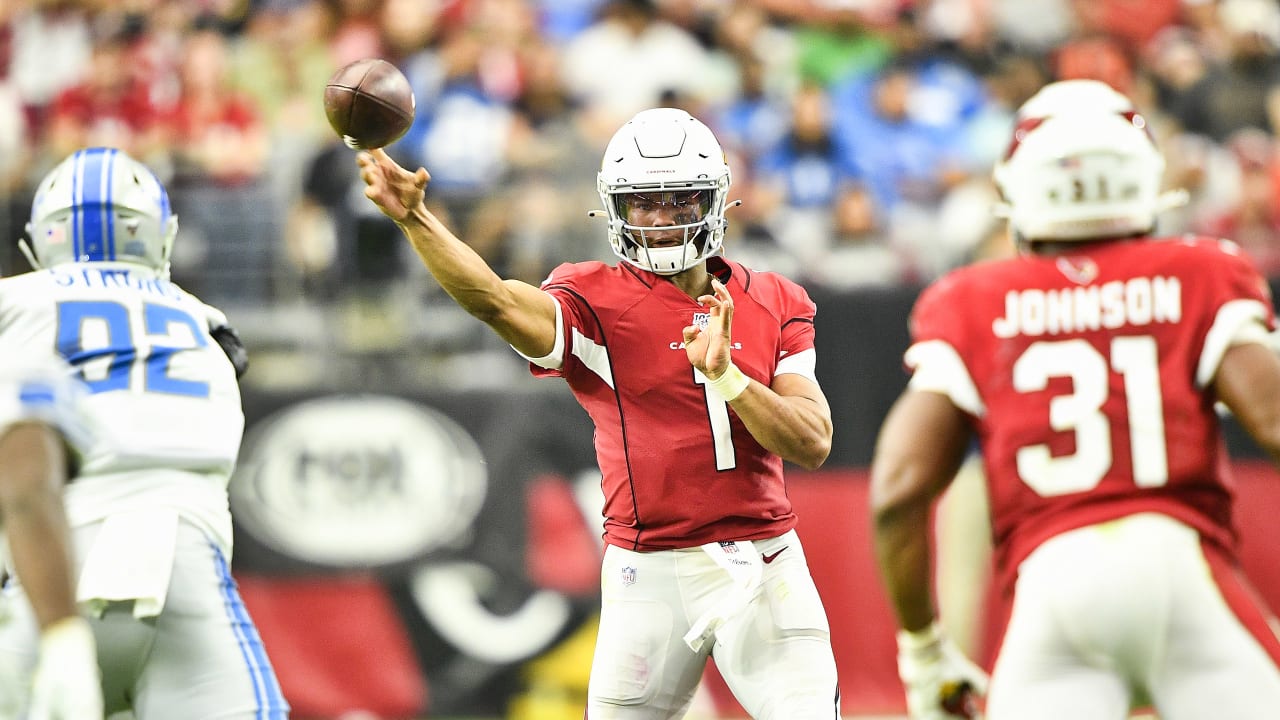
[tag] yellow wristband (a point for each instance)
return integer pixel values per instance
(731, 384)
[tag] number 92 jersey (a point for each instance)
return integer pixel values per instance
(1088, 379)
(163, 395)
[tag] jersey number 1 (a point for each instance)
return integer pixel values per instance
(1135, 358)
(721, 430)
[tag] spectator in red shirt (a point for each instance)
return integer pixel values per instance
(218, 132)
(108, 108)
(229, 213)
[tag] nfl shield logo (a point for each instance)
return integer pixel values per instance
(628, 576)
(729, 546)
(701, 320)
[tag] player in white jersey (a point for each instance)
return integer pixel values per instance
(148, 508)
(39, 425)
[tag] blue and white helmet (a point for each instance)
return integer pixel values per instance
(101, 205)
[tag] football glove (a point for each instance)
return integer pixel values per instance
(67, 684)
(231, 344)
(941, 683)
(228, 339)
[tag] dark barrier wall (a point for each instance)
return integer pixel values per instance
(425, 524)
(860, 340)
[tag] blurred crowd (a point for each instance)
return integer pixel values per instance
(861, 133)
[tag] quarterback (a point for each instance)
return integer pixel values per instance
(699, 376)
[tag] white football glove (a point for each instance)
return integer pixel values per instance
(67, 684)
(941, 683)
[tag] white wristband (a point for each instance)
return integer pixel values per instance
(66, 635)
(730, 384)
(926, 637)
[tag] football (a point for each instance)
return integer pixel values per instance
(369, 103)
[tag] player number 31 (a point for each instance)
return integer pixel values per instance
(1135, 358)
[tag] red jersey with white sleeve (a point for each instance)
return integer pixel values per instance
(1088, 378)
(679, 467)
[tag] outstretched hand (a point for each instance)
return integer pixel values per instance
(708, 349)
(397, 192)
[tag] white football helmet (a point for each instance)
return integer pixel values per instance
(665, 158)
(1081, 165)
(101, 205)
(1066, 95)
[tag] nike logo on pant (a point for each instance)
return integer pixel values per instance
(770, 557)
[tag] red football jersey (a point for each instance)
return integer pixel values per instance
(679, 468)
(1087, 377)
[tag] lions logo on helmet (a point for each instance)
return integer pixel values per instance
(665, 157)
(101, 205)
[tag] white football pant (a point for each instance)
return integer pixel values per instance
(200, 658)
(1134, 611)
(771, 643)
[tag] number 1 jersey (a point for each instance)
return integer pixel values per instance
(1088, 377)
(679, 467)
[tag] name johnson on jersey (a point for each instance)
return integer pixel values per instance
(1137, 301)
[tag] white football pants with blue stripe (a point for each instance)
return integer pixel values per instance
(200, 658)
